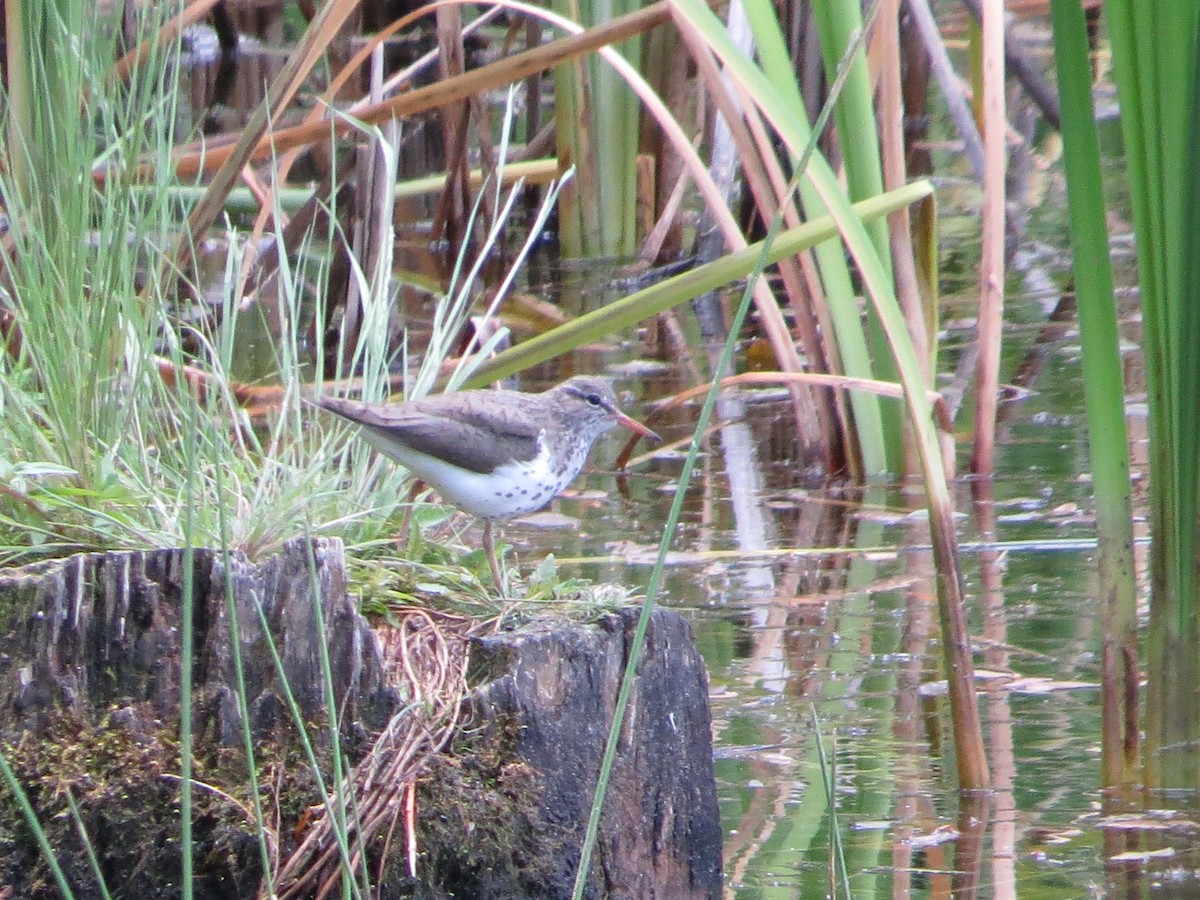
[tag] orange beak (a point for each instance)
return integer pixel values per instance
(635, 426)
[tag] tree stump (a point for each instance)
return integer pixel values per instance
(89, 706)
(95, 630)
(555, 685)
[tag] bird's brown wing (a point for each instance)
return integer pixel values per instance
(472, 436)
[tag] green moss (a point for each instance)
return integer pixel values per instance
(123, 785)
(476, 816)
(123, 776)
(479, 829)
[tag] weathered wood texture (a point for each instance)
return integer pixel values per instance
(102, 630)
(98, 636)
(660, 834)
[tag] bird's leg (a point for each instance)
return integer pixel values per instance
(489, 547)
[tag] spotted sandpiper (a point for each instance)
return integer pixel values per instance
(493, 454)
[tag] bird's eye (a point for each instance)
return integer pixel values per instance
(593, 400)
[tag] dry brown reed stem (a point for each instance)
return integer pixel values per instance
(804, 288)
(770, 315)
(200, 382)
(309, 51)
(768, 186)
(189, 15)
(426, 98)
(971, 762)
(450, 215)
(885, 49)
(941, 414)
(1025, 70)
(657, 234)
(425, 655)
(257, 266)
(991, 263)
(259, 142)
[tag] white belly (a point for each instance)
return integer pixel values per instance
(514, 489)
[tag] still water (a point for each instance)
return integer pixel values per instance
(820, 627)
(831, 651)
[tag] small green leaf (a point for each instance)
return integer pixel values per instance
(546, 574)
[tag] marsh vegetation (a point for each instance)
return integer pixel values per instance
(362, 200)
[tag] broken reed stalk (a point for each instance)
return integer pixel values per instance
(991, 263)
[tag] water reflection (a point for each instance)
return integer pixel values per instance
(850, 634)
(864, 661)
(849, 637)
